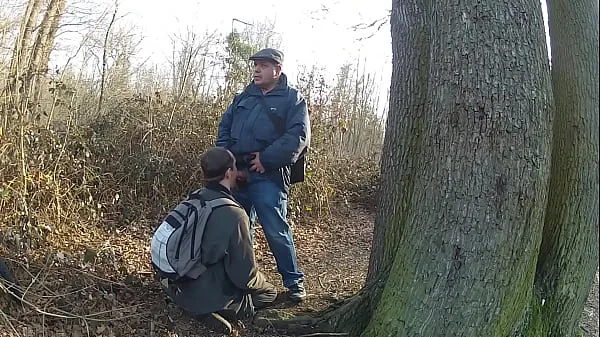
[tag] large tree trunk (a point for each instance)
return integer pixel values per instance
(401, 147)
(401, 151)
(468, 230)
(464, 172)
(569, 252)
(465, 175)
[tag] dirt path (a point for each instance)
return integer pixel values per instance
(589, 318)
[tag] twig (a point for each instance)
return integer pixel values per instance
(114, 310)
(26, 269)
(87, 327)
(64, 294)
(35, 278)
(9, 323)
(98, 277)
(320, 281)
(67, 315)
(43, 325)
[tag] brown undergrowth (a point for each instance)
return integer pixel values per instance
(80, 199)
(78, 209)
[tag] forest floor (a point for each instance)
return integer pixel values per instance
(70, 298)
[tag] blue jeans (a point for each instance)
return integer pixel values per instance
(263, 198)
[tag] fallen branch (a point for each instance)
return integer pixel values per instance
(67, 315)
(7, 319)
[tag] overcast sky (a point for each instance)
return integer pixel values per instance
(315, 32)
(312, 31)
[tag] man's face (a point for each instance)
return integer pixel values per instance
(266, 73)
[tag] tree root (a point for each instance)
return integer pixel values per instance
(280, 320)
(346, 318)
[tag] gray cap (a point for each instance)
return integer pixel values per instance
(268, 54)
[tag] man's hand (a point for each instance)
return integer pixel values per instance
(255, 164)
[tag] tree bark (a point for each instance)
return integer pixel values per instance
(467, 196)
(22, 50)
(401, 147)
(105, 58)
(569, 251)
(465, 169)
(42, 48)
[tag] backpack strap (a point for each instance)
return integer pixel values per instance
(222, 201)
(276, 120)
(189, 263)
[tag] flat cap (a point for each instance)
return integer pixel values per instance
(268, 54)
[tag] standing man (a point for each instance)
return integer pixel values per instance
(267, 128)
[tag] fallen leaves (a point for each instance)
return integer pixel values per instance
(108, 283)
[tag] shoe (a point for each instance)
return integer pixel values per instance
(297, 292)
(217, 323)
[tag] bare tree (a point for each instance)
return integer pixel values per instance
(191, 60)
(104, 56)
(19, 62)
(41, 49)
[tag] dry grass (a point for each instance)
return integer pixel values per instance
(79, 202)
(82, 188)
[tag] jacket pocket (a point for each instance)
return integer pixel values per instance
(240, 116)
(268, 126)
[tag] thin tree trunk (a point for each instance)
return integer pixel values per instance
(21, 51)
(44, 57)
(41, 49)
(569, 253)
(105, 58)
(23, 43)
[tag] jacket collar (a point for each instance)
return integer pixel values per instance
(220, 188)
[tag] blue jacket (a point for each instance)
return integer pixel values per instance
(245, 127)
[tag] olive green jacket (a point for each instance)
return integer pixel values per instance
(227, 253)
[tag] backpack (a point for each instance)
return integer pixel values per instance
(177, 242)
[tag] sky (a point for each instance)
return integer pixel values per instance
(313, 32)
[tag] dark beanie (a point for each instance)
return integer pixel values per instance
(214, 163)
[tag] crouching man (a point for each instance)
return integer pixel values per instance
(202, 252)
